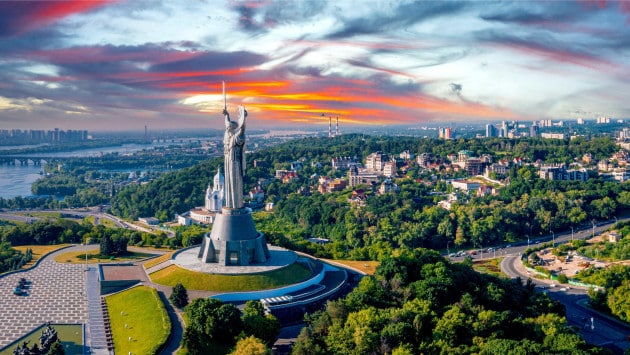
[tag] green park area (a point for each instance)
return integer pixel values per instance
(489, 266)
(230, 283)
(139, 321)
(367, 267)
(78, 257)
(158, 260)
(38, 251)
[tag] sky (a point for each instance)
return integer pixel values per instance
(121, 65)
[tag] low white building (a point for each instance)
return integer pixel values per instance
(465, 185)
(149, 221)
(387, 186)
(389, 169)
(184, 219)
(621, 175)
(202, 215)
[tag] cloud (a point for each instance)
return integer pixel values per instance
(456, 88)
(261, 16)
(19, 17)
(400, 62)
(397, 17)
(548, 47)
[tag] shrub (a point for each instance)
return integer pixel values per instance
(563, 279)
(179, 297)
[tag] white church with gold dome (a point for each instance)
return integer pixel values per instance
(214, 202)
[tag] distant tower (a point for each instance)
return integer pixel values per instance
(215, 199)
(146, 137)
(533, 130)
(491, 131)
(337, 127)
(445, 133)
(329, 126)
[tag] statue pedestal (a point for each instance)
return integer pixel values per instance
(234, 240)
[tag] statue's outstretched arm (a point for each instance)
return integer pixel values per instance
(242, 115)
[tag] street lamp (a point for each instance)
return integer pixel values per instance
(447, 243)
(87, 241)
(553, 239)
(593, 221)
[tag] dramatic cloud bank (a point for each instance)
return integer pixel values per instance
(125, 64)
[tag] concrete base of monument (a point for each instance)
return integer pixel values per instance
(279, 258)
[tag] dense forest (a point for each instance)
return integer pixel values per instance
(528, 206)
(420, 303)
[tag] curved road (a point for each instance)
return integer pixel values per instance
(594, 327)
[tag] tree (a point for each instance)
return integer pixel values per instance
(250, 346)
(210, 322)
(619, 301)
(179, 296)
(603, 208)
(107, 246)
(56, 349)
(256, 323)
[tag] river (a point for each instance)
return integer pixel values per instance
(16, 180)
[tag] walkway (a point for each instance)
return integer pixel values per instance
(96, 326)
(56, 294)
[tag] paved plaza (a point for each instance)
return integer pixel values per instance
(279, 258)
(56, 293)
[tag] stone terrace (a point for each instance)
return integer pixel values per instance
(56, 294)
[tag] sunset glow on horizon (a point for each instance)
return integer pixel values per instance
(126, 64)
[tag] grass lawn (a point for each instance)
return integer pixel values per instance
(368, 267)
(230, 283)
(104, 221)
(160, 259)
(70, 336)
(145, 317)
(489, 266)
(38, 251)
(41, 214)
(78, 257)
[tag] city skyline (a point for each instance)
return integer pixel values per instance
(121, 65)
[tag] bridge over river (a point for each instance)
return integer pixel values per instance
(26, 160)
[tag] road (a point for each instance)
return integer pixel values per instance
(82, 213)
(594, 327)
(582, 232)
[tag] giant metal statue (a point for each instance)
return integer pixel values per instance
(234, 152)
(234, 239)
